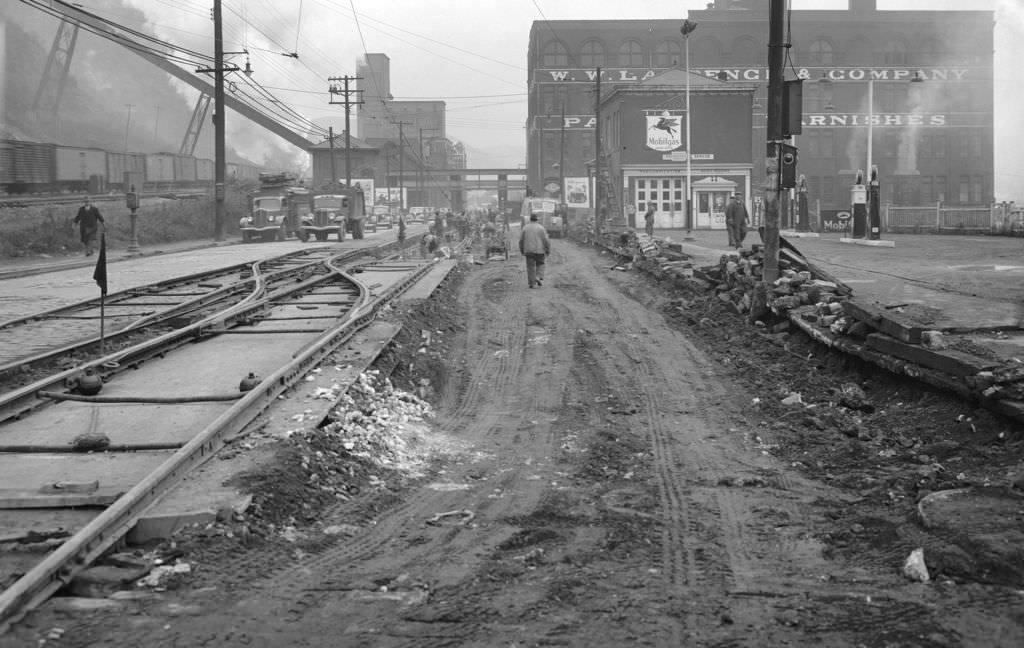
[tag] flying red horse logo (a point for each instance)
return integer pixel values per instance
(667, 124)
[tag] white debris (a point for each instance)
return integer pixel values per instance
(914, 567)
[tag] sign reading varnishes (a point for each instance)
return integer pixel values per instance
(664, 130)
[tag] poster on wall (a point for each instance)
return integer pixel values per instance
(577, 192)
(391, 196)
(663, 131)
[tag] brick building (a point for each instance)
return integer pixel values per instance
(932, 138)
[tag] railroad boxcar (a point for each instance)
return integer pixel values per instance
(80, 169)
(204, 171)
(184, 170)
(120, 163)
(159, 170)
(26, 166)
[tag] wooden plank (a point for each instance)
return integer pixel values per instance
(885, 321)
(25, 499)
(949, 361)
(818, 273)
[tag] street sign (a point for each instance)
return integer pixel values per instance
(674, 156)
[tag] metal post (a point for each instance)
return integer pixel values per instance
(687, 29)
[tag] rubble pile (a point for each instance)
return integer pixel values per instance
(895, 337)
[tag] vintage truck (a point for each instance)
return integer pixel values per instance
(333, 211)
(551, 215)
(275, 209)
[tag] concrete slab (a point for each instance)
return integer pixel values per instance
(795, 234)
(207, 493)
(426, 286)
(868, 243)
(116, 473)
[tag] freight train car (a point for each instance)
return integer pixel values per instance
(81, 169)
(37, 167)
(26, 166)
(120, 163)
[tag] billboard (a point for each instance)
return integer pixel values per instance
(577, 192)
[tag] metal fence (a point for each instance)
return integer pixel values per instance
(997, 219)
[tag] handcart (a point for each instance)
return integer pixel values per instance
(495, 242)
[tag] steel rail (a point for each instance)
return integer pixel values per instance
(202, 302)
(108, 527)
(17, 402)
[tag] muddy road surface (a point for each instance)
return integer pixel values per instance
(595, 473)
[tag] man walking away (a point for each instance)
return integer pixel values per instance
(535, 246)
(88, 219)
(736, 218)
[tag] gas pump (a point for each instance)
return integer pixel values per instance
(859, 198)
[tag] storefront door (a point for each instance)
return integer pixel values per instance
(711, 209)
(666, 194)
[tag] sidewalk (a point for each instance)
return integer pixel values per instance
(969, 282)
(12, 267)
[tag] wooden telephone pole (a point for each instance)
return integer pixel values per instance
(334, 88)
(776, 91)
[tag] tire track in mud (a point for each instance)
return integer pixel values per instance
(477, 409)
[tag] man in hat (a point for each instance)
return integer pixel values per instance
(88, 219)
(736, 218)
(535, 246)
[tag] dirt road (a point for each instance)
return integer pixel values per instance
(595, 480)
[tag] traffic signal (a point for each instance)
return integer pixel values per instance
(787, 166)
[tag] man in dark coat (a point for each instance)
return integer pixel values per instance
(88, 219)
(535, 246)
(736, 218)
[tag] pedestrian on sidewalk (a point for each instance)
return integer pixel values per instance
(535, 246)
(736, 219)
(88, 219)
(649, 220)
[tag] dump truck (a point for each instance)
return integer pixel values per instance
(275, 209)
(550, 213)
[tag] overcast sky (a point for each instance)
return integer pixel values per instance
(472, 55)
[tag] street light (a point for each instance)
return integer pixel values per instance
(687, 29)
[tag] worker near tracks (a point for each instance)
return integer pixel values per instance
(736, 219)
(88, 219)
(649, 220)
(439, 224)
(401, 235)
(535, 246)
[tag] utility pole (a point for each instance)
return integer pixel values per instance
(219, 149)
(776, 90)
(127, 124)
(219, 155)
(348, 102)
(334, 168)
(597, 155)
(561, 161)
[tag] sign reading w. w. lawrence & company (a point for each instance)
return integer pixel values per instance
(755, 74)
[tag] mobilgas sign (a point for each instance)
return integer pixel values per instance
(758, 74)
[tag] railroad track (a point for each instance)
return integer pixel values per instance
(168, 403)
(30, 340)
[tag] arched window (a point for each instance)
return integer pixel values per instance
(895, 53)
(592, 55)
(668, 54)
(631, 54)
(555, 55)
(821, 53)
(746, 51)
